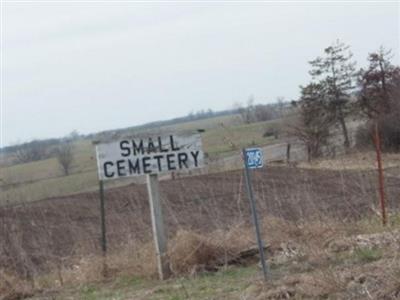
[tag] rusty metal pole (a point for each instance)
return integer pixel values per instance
(380, 173)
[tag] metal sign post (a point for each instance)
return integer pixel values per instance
(252, 160)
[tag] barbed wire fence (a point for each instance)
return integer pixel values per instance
(209, 211)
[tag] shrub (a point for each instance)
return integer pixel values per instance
(191, 250)
(32, 151)
(389, 130)
(271, 132)
(364, 136)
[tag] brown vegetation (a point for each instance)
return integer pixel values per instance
(56, 241)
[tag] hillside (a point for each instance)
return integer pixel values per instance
(44, 178)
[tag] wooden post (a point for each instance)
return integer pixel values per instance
(288, 153)
(160, 239)
(380, 173)
(103, 228)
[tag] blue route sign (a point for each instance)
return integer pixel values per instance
(254, 158)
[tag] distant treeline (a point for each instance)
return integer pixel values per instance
(46, 148)
(192, 116)
(38, 149)
(249, 114)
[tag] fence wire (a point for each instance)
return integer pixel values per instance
(55, 234)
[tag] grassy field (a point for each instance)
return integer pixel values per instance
(223, 140)
(43, 179)
(207, 124)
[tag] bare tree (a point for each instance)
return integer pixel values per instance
(312, 125)
(257, 112)
(248, 112)
(280, 102)
(32, 151)
(65, 156)
(74, 135)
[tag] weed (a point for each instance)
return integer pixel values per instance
(373, 224)
(367, 255)
(130, 281)
(89, 293)
(175, 298)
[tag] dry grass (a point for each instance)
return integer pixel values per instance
(192, 252)
(354, 161)
(13, 287)
(336, 261)
(310, 259)
(377, 280)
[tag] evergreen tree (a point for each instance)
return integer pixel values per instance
(335, 72)
(378, 84)
(379, 98)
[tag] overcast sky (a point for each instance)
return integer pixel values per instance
(97, 66)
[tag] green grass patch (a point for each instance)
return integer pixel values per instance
(88, 293)
(130, 281)
(225, 284)
(52, 187)
(367, 255)
(222, 141)
(207, 124)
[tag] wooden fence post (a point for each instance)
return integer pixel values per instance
(103, 228)
(160, 239)
(288, 153)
